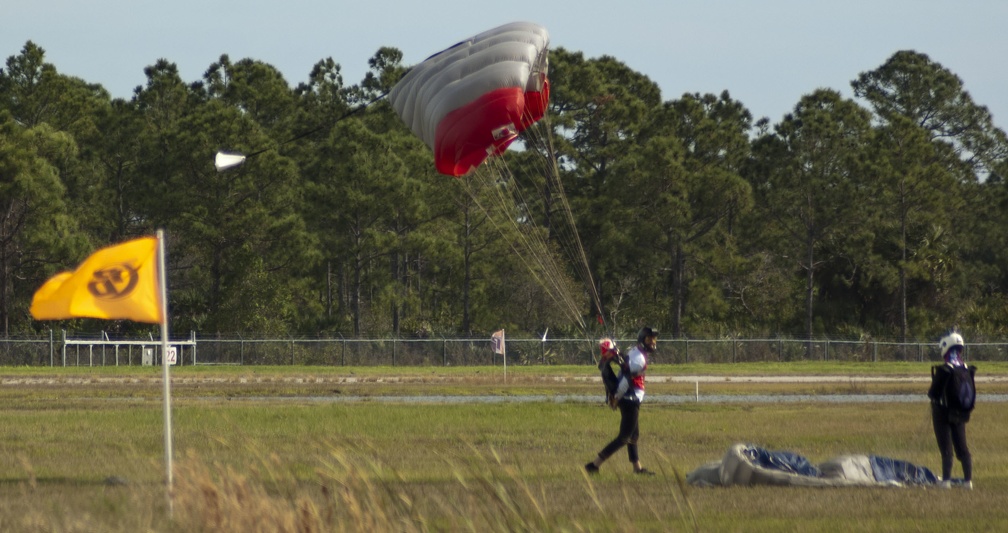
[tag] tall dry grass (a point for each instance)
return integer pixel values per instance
(350, 493)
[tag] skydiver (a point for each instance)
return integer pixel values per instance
(629, 395)
(949, 420)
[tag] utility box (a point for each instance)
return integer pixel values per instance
(147, 359)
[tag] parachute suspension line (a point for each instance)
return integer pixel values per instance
(537, 254)
(563, 229)
(566, 235)
(558, 238)
(581, 263)
(510, 216)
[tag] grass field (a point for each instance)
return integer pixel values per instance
(313, 449)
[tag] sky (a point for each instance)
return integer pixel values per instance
(766, 53)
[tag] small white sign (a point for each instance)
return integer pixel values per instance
(172, 355)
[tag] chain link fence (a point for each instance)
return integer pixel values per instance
(29, 351)
(102, 351)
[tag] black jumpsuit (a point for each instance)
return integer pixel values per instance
(950, 432)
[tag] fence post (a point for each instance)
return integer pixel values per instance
(444, 352)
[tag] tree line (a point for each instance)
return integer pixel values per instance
(881, 216)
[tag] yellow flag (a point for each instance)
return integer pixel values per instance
(118, 282)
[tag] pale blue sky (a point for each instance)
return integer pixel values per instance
(766, 53)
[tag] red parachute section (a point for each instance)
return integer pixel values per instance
(485, 127)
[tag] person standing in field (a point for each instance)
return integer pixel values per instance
(629, 395)
(953, 394)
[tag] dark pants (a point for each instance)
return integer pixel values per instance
(628, 430)
(951, 436)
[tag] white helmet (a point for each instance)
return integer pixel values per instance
(950, 340)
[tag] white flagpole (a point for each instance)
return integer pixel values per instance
(163, 289)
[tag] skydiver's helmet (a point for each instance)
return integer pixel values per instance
(647, 338)
(951, 342)
(608, 348)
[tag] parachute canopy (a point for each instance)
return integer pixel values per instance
(472, 100)
(748, 464)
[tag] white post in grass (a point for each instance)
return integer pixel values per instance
(504, 354)
(166, 374)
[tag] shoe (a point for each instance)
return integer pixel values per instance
(644, 472)
(956, 483)
(591, 468)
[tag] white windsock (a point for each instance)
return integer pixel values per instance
(225, 161)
